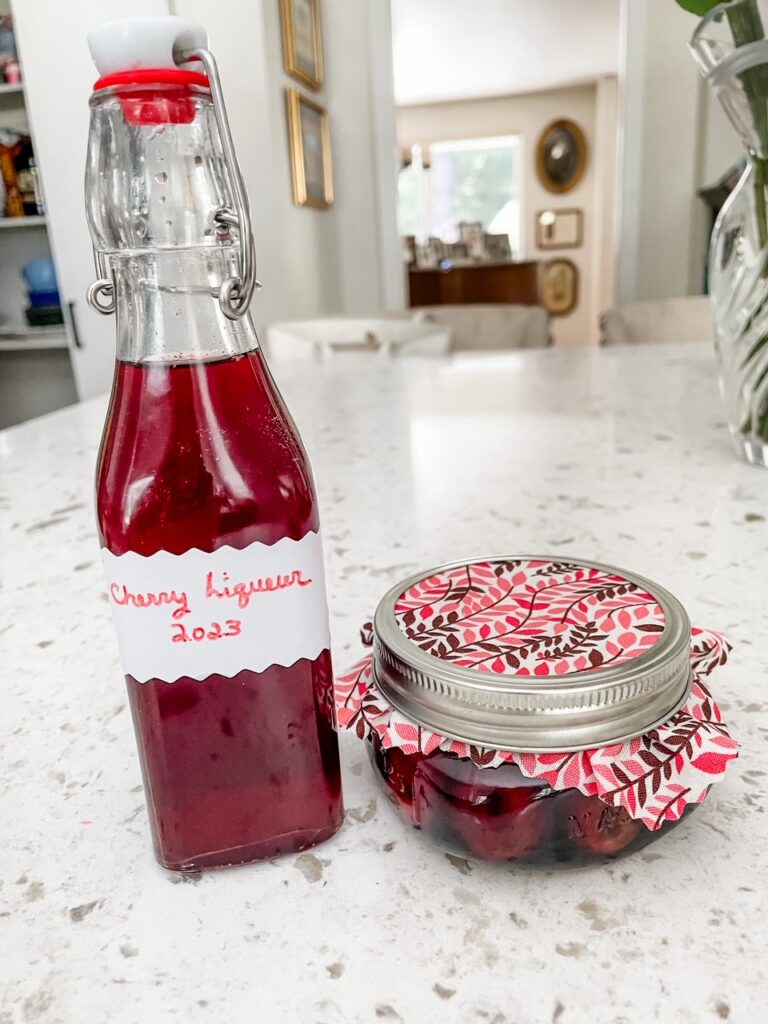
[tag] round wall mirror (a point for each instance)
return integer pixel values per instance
(561, 156)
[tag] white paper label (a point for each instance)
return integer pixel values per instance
(220, 612)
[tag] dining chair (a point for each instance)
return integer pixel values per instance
(490, 327)
(329, 336)
(666, 320)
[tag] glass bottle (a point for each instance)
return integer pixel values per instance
(206, 506)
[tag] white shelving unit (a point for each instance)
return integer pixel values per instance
(11, 223)
(58, 80)
(26, 338)
(36, 373)
(35, 343)
(11, 331)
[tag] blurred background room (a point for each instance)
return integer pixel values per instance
(506, 174)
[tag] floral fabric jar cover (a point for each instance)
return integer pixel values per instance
(545, 619)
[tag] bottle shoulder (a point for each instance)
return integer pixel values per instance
(200, 455)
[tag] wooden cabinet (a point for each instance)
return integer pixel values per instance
(486, 282)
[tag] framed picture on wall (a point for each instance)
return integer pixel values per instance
(302, 41)
(559, 229)
(310, 145)
(561, 156)
(559, 287)
(498, 248)
(471, 233)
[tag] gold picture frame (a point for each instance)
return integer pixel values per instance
(310, 144)
(560, 286)
(560, 229)
(303, 41)
(561, 156)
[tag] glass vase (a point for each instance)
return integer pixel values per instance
(731, 49)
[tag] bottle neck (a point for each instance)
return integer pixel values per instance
(156, 182)
(168, 310)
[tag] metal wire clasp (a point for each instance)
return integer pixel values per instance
(235, 293)
(101, 294)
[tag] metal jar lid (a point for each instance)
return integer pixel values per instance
(530, 695)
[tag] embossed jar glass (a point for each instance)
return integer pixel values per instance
(534, 710)
(731, 50)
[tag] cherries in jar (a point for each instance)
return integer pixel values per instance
(497, 814)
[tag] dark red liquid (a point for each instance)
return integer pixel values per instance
(499, 814)
(198, 456)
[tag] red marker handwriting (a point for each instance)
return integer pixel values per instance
(245, 591)
(214, 632)
(121, 595)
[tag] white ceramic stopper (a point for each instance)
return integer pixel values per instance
(124, 44)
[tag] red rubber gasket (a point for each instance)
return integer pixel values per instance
(152, 76)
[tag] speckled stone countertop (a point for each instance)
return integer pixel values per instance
(618, 455)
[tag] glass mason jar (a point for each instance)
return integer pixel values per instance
(206, 506)
(537, 711)
(731, 49)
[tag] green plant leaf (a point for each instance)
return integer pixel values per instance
(700, 7)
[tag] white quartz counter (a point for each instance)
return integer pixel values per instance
(620, 455)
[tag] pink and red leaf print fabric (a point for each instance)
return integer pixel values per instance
(530, 617)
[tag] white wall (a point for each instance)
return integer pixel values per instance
(526, 115)
(308, 237)
(463, 49)
(311, 262)
(363, 270)
(360, 92)
(605, 238)
(661, 216)
(719, 149)
(720, 145)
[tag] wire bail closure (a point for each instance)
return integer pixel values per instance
(101, 294)
(235, 293)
